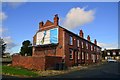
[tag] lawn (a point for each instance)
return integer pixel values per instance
(9, 70)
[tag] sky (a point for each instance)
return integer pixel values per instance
(20, 21)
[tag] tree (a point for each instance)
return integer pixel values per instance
(26, 48)
(2, 46)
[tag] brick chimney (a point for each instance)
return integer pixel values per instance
(95, 42)
(88, 38)
(56, 20)
(81, 34)
(41, 24)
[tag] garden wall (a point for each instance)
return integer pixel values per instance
(34, 62)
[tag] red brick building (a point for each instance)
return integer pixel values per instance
(56, 42)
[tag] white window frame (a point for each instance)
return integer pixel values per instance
(70, 54)
(108, 53)
(94, 48)
(119, 52)
(82, 55)
(114, 53)
(97, 57)
(71, 40)
(86, 45)
(79, 54)
(82, 44)
(78, 43)
(91, 48)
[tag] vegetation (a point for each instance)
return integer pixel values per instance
(18, 71)
(2, 46)
(26, 48)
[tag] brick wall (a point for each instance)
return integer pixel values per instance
(29, 62)
(34, 62)
(50, 61)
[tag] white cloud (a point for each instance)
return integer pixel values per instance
(78, 17)
(108, 45)
(10, 44)
(3, 16)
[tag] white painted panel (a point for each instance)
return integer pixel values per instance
(39, 37)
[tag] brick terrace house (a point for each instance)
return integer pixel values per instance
(54, 44)
(111, 53)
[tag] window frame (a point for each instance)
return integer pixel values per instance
(78, 43)
(70, 40)
(91, 48)
(114, 53)
(79, 53)
(83, 55)
(82, 44)
(108, 52)
(71, 54)
(87, 55)
(86, 45)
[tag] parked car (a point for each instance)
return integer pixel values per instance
(111, 60)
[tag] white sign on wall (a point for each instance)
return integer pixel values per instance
(47, 37)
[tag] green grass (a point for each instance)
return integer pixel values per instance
(18, 71)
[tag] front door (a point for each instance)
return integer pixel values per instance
(76, 57)
(93, 58)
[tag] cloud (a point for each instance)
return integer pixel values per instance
(78, 17)
(10, 44)
(108, 45)
(3, 16)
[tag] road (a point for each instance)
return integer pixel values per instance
(107, 70)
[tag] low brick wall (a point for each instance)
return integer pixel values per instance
(34, 62)
(50, 61)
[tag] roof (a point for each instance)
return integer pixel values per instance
(112, 50)
(79, 36)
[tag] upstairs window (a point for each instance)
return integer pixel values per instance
(82, 44)
(71, 40)
(78, 55)
(91, 48)
(114, 53)
(94, 48)
(78, 43)
(71, 54)
(86, 45)
(108, 53)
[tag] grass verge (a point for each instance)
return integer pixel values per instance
(9, 70)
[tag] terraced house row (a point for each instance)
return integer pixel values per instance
(54, 44)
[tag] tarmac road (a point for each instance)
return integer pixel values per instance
(107, 70)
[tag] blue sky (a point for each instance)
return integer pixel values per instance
(22, 20)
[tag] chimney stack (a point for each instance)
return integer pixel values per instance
(88, 38)
(81, 34)
(95, 42)
(56, 20)
(41, 24)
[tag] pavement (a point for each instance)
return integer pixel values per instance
(106, 70)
